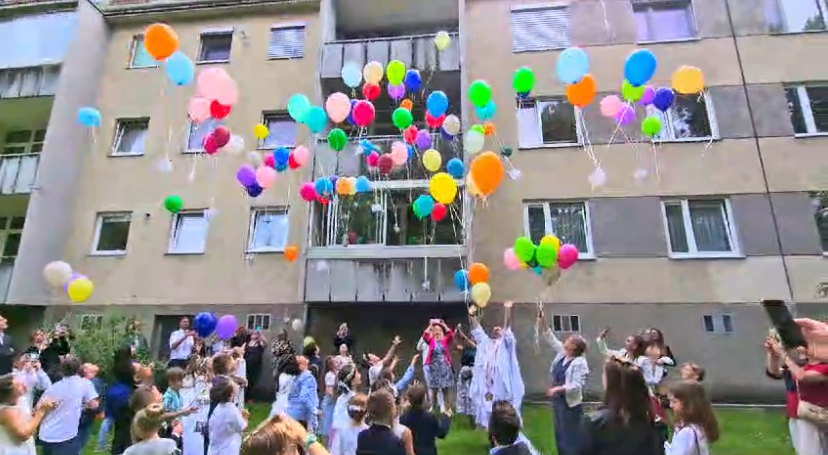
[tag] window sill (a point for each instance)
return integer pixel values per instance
(550, 146)
(286, 58)
(184, 253)
(685, 139)
(809, 135)
(274, 147)
(669, 41)
(587, 257)
(802, 32)
(132, 67)
(540, 49)
(108, 253)
(124, 155)
(266, 251)
(684, 256)
(212, 62)
(192, 152)
(355, 252)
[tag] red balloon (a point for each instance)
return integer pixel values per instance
(438, 212)
(385, 164)
(370, 91)
(210, 145)
(434, 122)
(372, 159)
(410, 134)
(269, 161)
(292, 162)
(323, 200)
(363, 113)
(222, 135)
(218, 111)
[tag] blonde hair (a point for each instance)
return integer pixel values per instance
(272, 437)
(146, 423)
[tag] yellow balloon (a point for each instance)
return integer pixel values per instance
(260, 131)
(442, 40)
(432, 160)
(471, 187)
(352, 187)
(480, 294)
(80, 289)
(552, 240)
(443, 188)
(688, 80)
(373, 72)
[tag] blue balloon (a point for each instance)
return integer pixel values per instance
(298, 107)
(89, 116)
(351, 114)
(323, 186)
(461, 279)
(572, 65)
(179, 68)
(411, 151)
(640, 67)
(663, 99)
(367, 147)
(446, 135)
(317, 119)
(363, 185)
(538, 270)
(351, 74)
(423, 206)
(281, 156)
(254, 190)
(437, 103)
(413, 81)
(522, 95)
(486, 112)
(204, 324)
(455, 168)
(280, 167)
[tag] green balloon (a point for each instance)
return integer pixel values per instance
(395, 72)
(524, 249)
(651, 126)
(478, 128)
(402, 118)
(337, 139)
(173, 204)
(480, 93)
(630, 93)
(546, 255)
(523, 80)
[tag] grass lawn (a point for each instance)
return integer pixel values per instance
(743, 432)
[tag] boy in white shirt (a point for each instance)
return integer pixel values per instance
(59, 429)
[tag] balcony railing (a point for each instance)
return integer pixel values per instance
(18, 173)
(29, 82)
(40, 39)
(416, 51)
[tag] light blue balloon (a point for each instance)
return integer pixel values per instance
(423, 206)
(363, 185)
(316, 119)
(323, 186)
(180, 69)
(455, 168)
(486, 112)
(89, 116)
(640, 67)
(461, 279)
(437, 103)
(351, 74)
(298, 107)
(572, 65)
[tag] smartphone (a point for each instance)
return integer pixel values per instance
(789, 331)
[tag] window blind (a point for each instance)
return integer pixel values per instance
(287, 42)
(539, 29)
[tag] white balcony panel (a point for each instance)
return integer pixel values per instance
(18, 173)
(35, 40)
(29, 82)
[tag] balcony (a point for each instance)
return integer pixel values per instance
(29, 82)
(36, 39)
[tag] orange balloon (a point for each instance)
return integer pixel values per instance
(478, 273)
(582, 92)
(160, 40)
(291, 252)
(489, 128)
(407, 104)
(486, 172)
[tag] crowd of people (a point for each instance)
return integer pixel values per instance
(349, 405)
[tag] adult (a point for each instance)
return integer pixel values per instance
(625, 425)
(654, 337)
(569, 371)
(7, 353)
(59, 429)
(633, 351)
(58, 348)
(17, 421)
(376, 363)
(816, 334)
(311, 351)
(468, 349)
(254, 357)
(135, 334)
(438, 337)
(116, 404)
(181, 344)
(343, 336)
(240, 338)
(38, 342)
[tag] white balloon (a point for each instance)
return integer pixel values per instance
(235, 146)
(452, 125)
(297, 325)
(255, 159)
(473, 141)
(57, 273)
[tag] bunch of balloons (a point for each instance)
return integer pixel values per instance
(217, 92)
(161, 43)
(476, 277)
(322, 190)
(59, 275)
(544, 256)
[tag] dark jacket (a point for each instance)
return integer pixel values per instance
(7, 354)
(604, 435)
(425, 429)
(379, 440)
(347, 340)
(88, 415)
(117, 408)
(518, 448)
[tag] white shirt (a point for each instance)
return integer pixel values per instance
(689, 440)
(159, 446)
(346, 443)
(330, 380)
(226, 427)
(183, 351)
(71, 394)
(33, 380)
(374, 373)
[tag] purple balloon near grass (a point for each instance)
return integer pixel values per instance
(226, 327)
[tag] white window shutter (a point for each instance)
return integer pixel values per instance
(539, 29)
(287, 42)
(529, 132)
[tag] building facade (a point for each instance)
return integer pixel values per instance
(687, 233)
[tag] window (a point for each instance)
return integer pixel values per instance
(535, 29)
(282, 130)
(21, 160)
(215, 46)
(23, 142)
(189, 233)
(794, 16)
(718, 323)
(138, 55)
(198, 131)
(258, 322)
(547, 122)
(268, 229)
(287, 42)
(130, 136)
(566, 323)
(91, 322)
(700, 228)
(808, 107)
(690, 118)
(569, 221)
(11, 231)
(664, 20)
(112, 233)
(820, 202)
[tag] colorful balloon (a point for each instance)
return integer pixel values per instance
(581, 93)
(265, 176)
(625, 115)
(337, 139)
(173, 203)
(473, 141)
(651, 126)
(57, 273)
(298, 107)
(316, 119)
(648, 96)
(688, 80)
(480, 294)
(308, 192)
(478, 273)
(362, 184)
(371, 91)
(199, 109)
(523, 80)
(385, 164)
(395, 72)
(402, 118)
(219, 111)
(246, 175)
(664, 98)
(301, 155)
(363, 113)
(423, 139)
(640, 67)
(89, 117)
(437, 103)
(524, 249)
(221, 134)
(631, 93)
(442, 40)
(451, 125)
(461, 280)
(432, 160)
(261, 131)
(180, 69)
(413, 81)
(572, 65)
(480, 93)
(442, 188)
(510, 260)
(439, 212)
(423, 206)
(399, 153)
(338, 106)
(567, 256)
(486, 112)
(80, 289)
(160, 41)
(372, 72)
(396, 92)
(487, 172)
(434, 122)
(455, 168)
(351, 74)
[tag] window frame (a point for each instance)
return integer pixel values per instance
(806, 111)
(781, 27)
(668, 117)
(282, 210)
(820, 204)
(121, 126)
(565, 317)
(264, 317)
(547, 219)
(99, 221)
(540, 7)
(96, 324)
(539, 123)
(174, 229)
(193, 127)
(229, 31)
(29, 145)
(288, 26)
(719, 326)
(280, 115)
(694, 23)
(693, 253)
(137, 40)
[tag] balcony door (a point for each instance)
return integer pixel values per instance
(20, 158)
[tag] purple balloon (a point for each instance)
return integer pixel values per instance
(74, 276)
(226, 327)
(396, 91)
(663, 99)
(334, 178)
(423, 139)
(625, 115)
(648, 96)
(246, 175)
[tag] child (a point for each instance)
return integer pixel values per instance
(240, 375)
(89, 414)
(281, 435)
(504, 430)
(173, 403)
(145, 428)
(329, 399)
(696, 425)
(464, 402)
(227, 422)
(346, 443)
(380, 438)
(196, 391)
(348, 379)
(692, 372)
(18, 423)
(425, 427)
(27, 369)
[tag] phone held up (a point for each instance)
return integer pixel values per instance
(784, 325)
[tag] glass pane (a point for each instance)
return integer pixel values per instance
(690, 117)
(537, 223)
(270, 231)
(568, 224)
(575, 323)
(818, 96)
(140, 56)
(558, 122)
(359, 221)
(641, 24)
(215, 48)
(40, 135)
(12, 244)
(16, 223)
(708, 323)
(18, 137)
(404, 228)
(670, 21)
(190, 233)
(114, 234)
(709, 225)
(556, 324)
(821, 219)
(802, 15)
(727, 323)
(282, 133)
(675, 228)
(795, 110)
(198, 131)
(3, 221)
(132, 139)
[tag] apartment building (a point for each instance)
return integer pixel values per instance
(729, 218)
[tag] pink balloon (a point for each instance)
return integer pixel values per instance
(301, 155)
(510, 260)
(199, 109)
(363, 113)
(338, 107)
(567, 256)
(399, 153)
(265, 176)
(210, 82)
(625, 115)
(610, 105)
(210, 144)
(308, 192)
(227, 92)
(372, 159)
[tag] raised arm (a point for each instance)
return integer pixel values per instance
(390, 354)
(507, 314)
(549, 335)
(477, 333)
(463, 338)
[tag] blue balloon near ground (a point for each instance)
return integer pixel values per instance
(423, 206)
(640, 67)
(317, 119)
(413, 81)
(179, 68)
(298, 107)
(89, 116)
(363, 185)
(455, 168)
(437, 103)
(281, 156)
(486, 112)
(664, 98)
(323, 186)
(572, 66)
(254, 190)
(461, 279)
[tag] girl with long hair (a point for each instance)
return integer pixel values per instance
(696, 425)
(633, 351)
(145, 428)
(347, 441)
(348, 379)
(17, 422)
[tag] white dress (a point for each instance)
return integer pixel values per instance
(196, 392)
(281, 403)
(9, 445)
(241, 371)
(346, 442)
(226, 427)
(340, 420)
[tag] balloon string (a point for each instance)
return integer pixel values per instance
(607, 26)
(655, 161)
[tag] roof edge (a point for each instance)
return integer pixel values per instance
(43, 6)
(181, 6)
